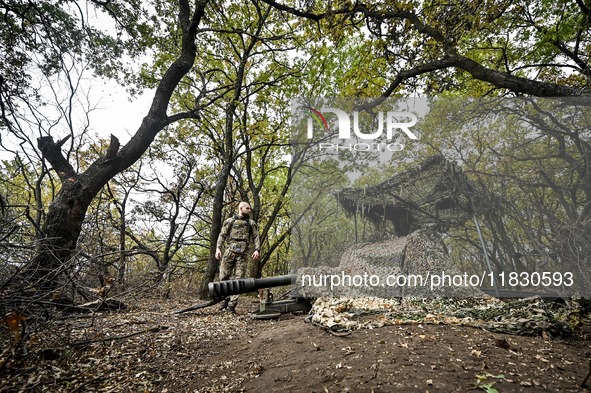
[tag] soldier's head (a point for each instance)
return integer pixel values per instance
(244, 209)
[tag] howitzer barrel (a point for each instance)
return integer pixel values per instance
(222, 289)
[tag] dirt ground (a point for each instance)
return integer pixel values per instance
(290, 355)
(148, 349)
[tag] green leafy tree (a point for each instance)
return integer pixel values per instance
(243, 67)
(66, 214)
(533, 48)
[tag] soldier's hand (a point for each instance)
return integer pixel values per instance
(255, 255)
(218, 254)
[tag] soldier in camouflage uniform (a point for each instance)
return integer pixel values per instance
(241, 234)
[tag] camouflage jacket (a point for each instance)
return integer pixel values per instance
(238, 230)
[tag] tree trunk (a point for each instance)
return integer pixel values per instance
(61, 230)
(216, 227)
(229, 158)
(218, 201)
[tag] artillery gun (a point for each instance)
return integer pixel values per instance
(220, 290)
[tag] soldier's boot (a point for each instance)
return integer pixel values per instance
(224, 304)
(232, 309)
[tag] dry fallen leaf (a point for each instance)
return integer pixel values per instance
(539, 357)
(13, 321)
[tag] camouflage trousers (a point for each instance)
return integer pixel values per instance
(232, 261)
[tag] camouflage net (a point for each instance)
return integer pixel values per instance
(528, 317)
(423, 251)
(381, 259)
(434, 193)
(420, 253)
(421, 201)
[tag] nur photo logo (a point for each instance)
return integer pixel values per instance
(392, 121)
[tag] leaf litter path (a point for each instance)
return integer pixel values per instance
(148, 349)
